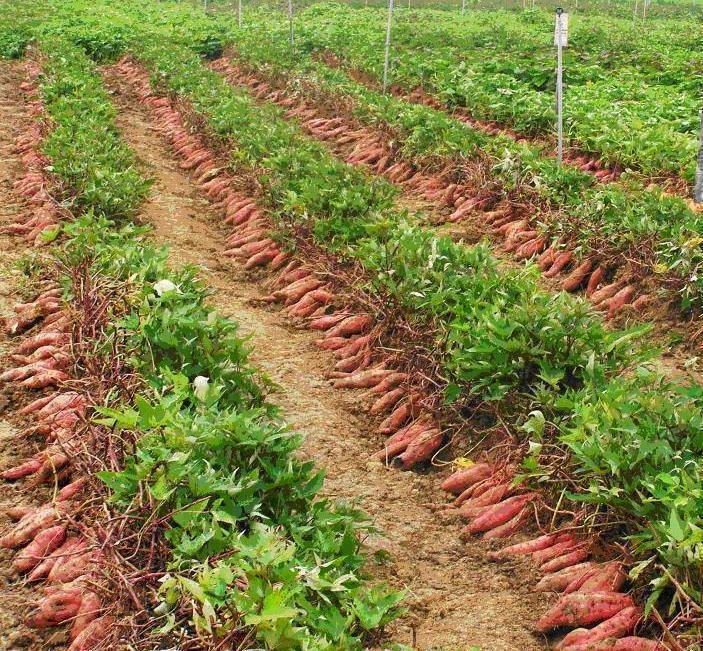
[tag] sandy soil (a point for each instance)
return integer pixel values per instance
(456, 598)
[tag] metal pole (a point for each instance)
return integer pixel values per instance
(239, 13)
(290, 21)
(387, 59)
(698, 187)
(560, 117)
(463, 6)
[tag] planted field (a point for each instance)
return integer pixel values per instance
(254, 290)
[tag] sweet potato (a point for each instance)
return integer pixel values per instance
(362, 379)
(520, 549)
(575, 279)
(617, 626)
(387, 401)
(421, 448)
(62, 402)
(391, 382)
(89, 609)
(558, 581)
(359, 361)
(560, 261)
(530, 248)
(609, 578)
(594, 281)
(571, 558)
(353, 348)
(633, 643)
(72, 565)
(55, 609)
(492, 496)
(44, 543)
(401, 439)
(37, 404)
(45, 567)
(556, 550)
(70, 490)
(45, 379)
(326, 322)
(510, 527)
(546, 259)
(462, 479)
(93, 634)
(398, 418)
(24, 469)
(43, 339)
(578, 609)
(352, 325)
(333, 343)
(605, 293)
(499, 513)
(16, 513)
(620, 299)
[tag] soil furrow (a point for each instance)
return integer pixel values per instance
(457, 598)
(14, 595)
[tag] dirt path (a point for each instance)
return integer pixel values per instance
(14, 596)
(457, 599)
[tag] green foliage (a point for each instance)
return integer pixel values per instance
(96, 168)
(220, 471)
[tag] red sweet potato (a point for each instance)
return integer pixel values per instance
(578, 609)
(44, 543)
(620, 299)
(70, 490)
(421, 448)
(362, 379)
(89, 609)
(93, 634)
(575, 279)
(45, 567)
(570, 558)
(528, 547)
(326, 322)
(606, 578)
(617, 626)
(37, 404)
(558, 581)
(462, 479)
(638, 644)
(499, 513)
(333, 343)
(556, 550)
(387, 401)
(24, 469)
(401, 439)
(55, 608)
(391, 382)
(510, 527)
(594, 281)
(559, 263)
(352, 325)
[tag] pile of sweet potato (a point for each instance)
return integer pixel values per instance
(486, 496)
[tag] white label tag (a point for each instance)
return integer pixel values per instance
(564, 20)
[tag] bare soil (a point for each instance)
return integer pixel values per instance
(456, 598)
(15, 598)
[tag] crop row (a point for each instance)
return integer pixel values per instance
(607, 222)
(628, 122)
(200, 411)
(502, 337)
